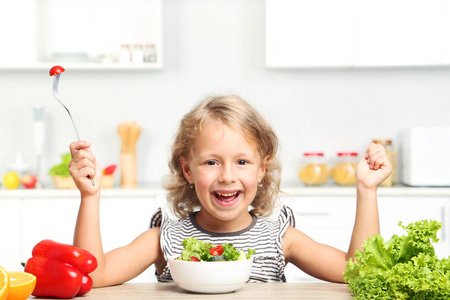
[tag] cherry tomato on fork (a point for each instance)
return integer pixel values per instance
(216, 250)
(56, 70)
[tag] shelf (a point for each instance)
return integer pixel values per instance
(85, 66)
(79, 34)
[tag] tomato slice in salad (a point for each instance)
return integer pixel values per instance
(216, 250)
(193, 258)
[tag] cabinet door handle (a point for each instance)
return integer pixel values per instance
(313, 214)
(443, 218)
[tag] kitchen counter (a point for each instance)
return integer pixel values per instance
(289, 189)
(137, 291)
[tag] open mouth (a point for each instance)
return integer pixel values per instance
(227, 198)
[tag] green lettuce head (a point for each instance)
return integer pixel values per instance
(404, 267)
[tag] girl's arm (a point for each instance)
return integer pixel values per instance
(119, 265)
(373, 168)
(328, 263)
(87, 229)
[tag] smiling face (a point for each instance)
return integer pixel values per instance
(225, 169)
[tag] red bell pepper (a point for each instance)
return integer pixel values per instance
(109, 170)
(61, 270)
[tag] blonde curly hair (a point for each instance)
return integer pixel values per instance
(235, 112)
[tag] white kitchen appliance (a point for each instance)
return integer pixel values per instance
(425, 156)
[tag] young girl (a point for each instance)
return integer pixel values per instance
(224, 161)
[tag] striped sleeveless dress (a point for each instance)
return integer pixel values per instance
(264, 235)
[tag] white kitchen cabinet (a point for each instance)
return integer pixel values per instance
(80, 34)
(329, 220)
(326, 214)
(10, 234)
(413, 209)
(298, 33)
(122, 220)
(52, 219)
(349, 33)
(31, 219)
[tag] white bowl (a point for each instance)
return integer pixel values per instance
(211, 277)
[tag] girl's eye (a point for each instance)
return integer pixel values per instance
(210, 163)
(242, 162)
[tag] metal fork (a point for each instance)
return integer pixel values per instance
(55, 94)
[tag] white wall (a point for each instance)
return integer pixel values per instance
(215, 46)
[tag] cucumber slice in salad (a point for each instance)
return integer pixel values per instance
(201, 250)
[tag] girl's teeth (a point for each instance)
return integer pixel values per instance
(226, 195)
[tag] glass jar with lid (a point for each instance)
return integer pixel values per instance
(343, 171)
(314, 170)
(125, 54)
(137, 54)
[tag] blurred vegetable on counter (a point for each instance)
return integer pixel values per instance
(61, 169)
(11, 180)
(109, 170)
(61, 175)
(108, 176)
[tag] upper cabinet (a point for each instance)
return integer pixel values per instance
(360, 33)
(81, 34)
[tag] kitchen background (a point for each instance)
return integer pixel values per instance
(217, 47)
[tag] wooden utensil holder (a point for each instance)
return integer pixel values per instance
(128, 170)
(129, 133)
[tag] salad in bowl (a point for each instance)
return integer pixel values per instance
(195, 250)
(203, 267)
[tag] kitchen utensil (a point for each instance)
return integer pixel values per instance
(56, 72)
(129, 133)
(39, 140)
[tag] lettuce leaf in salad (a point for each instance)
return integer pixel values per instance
(231, 253)
(404, 267)
(200, 249)
(195, 248)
